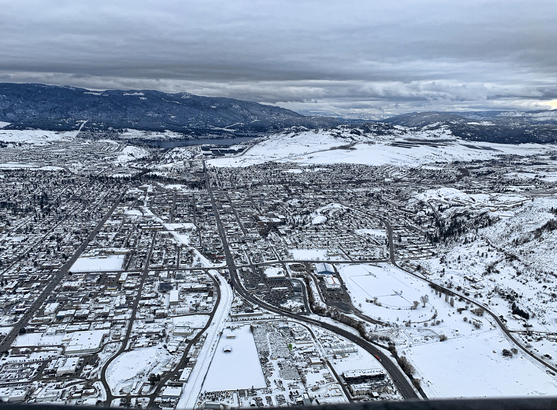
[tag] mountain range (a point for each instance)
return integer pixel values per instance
(66, 108)
(63, 108)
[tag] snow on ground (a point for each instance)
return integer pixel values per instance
(131, 153)
(193, 321)
(4, 124)
(133, 212)
(51, 168)
(475, 367)
(187, 225)
(371, 232)
(4, 330)
(38, 339)
(470, 362)
(16, 165)
(180, 187)
(454, 196)
(180, 235)
(135, 365)
(190, 393)
(309, 254)
(318, 220)
(35, 137)
(242, 356)
(359, 360)
(513, 255)
(322, 147)
(94, 264)
(392, 289)
(330, 210)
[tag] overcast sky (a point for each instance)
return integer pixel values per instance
(344, 57)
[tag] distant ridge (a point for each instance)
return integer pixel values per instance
(508, 127)
(65, 108)
(107, 113)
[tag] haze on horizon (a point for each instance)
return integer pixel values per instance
(358, 58)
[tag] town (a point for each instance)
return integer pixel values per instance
(148, 277)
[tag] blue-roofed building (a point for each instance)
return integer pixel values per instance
(324, 268)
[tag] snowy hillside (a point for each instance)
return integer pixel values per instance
(510, 267)
(400, 147)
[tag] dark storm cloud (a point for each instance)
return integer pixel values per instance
(320, 56)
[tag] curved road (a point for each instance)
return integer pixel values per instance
(472, 301)
(401, 382)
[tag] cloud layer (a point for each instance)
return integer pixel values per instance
(357, 57)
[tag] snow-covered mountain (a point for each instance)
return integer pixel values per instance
(56, 108)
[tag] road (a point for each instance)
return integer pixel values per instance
(399, 379)
(109, 395)
(185, 357)
(8, 340)
(188, 400)
(508, 333)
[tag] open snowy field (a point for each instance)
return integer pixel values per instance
(237, 369)
(386, 292)
(469, 363)
(474, 367)
(134, 367)
(193, 321)
(96, 264)
(36, 137)
(309, 254)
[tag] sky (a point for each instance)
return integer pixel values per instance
(352, 58)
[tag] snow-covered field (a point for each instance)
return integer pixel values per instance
(193, 321)
(386, 292)
(312, 254)
(316, 254)
(474, 367)
(135, 366)
(96, 264)
(238, 369)
(470, 362)
(35, 137)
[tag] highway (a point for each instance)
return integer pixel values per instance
(188, 400)
(401, 382)
(185, 356)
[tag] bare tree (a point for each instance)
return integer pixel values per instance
(424, 299)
